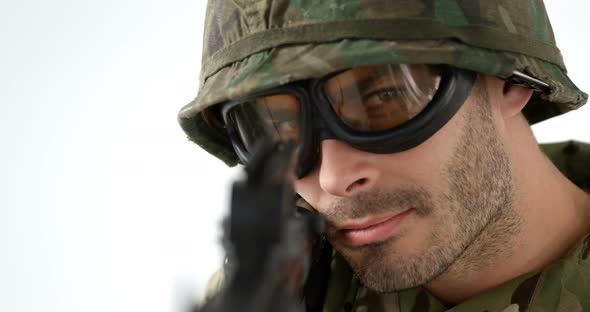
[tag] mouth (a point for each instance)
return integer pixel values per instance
(371, 230)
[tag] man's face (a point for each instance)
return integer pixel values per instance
(402, 219)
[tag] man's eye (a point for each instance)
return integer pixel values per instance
(382, 97)
(282, 128)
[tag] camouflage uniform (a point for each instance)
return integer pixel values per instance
(252, 45)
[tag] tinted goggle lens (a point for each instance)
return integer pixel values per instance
(365, 99)
(377, 98)
(263, 118)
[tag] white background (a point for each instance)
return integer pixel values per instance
(104, 204)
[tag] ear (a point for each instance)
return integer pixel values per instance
(513, 99)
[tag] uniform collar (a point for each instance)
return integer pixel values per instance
(561, 286)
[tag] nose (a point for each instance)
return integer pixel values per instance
(344, 170)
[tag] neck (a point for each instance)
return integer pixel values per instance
(553, 216)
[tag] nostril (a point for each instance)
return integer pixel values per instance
(358, 182)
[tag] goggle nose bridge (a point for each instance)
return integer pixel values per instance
(319, 126)
(314, 129)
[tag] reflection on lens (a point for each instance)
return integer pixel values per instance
(381, 97)
(273, 117)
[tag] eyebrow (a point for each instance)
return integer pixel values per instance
(361, 84)
(373, 77)
(366, 82)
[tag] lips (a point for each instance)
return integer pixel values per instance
(372, 230)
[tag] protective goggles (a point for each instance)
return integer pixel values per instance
(377, 108)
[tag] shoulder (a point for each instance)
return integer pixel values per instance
(565, 285)
(572, 158)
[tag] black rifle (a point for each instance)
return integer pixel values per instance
(277, 256)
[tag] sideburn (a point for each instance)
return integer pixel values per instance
(481, 183)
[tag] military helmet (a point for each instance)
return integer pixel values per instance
(252, 45)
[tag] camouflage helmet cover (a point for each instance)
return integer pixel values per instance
(252, 45)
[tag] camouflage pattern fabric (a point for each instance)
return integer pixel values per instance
(572, 159)
(251, 45)
(564, 286)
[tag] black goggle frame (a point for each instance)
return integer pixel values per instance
(319, 122)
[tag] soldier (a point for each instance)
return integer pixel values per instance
(412, 120)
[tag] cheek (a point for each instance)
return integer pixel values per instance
(426, 163)
(309, 188)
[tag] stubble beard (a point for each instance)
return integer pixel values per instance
(476, 216)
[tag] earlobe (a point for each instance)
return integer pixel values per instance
(514, 98)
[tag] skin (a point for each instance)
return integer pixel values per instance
(487, 204)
